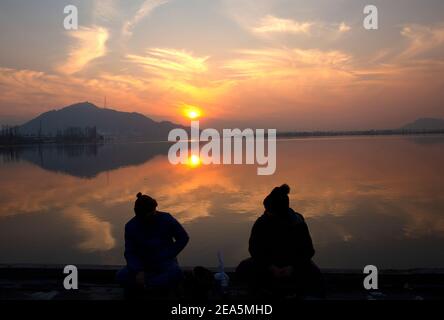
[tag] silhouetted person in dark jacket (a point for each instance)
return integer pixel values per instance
(281, 250)
(153, 239)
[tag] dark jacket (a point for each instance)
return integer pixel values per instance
(281, 240)
(154, 242)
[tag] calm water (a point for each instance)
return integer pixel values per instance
(376, 200)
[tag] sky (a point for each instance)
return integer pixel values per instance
(284, 64)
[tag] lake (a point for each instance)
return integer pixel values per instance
(367, 200)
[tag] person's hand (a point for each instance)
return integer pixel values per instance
(140, 279)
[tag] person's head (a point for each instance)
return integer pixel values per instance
(144, 205)
(278, 201)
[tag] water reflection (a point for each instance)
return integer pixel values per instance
(85, 161)
(366, 200)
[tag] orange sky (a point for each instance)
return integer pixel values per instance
(269, 64)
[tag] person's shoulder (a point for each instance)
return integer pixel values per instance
(296, 216)
(263, 218)
(164, 216)
(131, 223)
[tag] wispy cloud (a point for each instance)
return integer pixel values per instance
(105, 10)
(278, 78)
(90, 45)
(343, 27)
(269, 62)
(272, 24)
(422, 39)
(182, 75)
(165, 61)
(33, 91)
(97, 233)
(147, 7)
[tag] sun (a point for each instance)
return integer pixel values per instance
(192, 112)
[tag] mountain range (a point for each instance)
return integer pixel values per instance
(130, 125)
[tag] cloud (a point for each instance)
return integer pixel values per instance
(165, 61)
(33, 92)
(147, 7)
(106, 10)
(272, 62)
(272, 24)
(154, 84)
(97, 233)
(269, 26)
(182, 77)
(159, 79)
(422, 39)
(90, 45)
(286, 85)
(343, 27)
(412, 59)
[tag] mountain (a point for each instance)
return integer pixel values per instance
(108, 122)
(425, 124)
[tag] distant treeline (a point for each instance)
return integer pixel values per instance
(357, 133)
(10, 135)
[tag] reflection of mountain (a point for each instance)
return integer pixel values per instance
(425, 124)
(107, 121)
(86, 161)
(427, 140)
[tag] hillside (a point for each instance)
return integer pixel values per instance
(107, 121)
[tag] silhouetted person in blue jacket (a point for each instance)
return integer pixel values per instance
(281, 250)
(153, 239)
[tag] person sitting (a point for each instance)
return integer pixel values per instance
(281, 251)
(153, 239)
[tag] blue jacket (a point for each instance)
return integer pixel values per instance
(154, 242)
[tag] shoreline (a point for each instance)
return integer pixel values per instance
(45, 282)
(97, 267)
(280, 136)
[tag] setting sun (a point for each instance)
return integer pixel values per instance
(192, 112)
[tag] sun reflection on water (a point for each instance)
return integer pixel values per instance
(194, 161)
